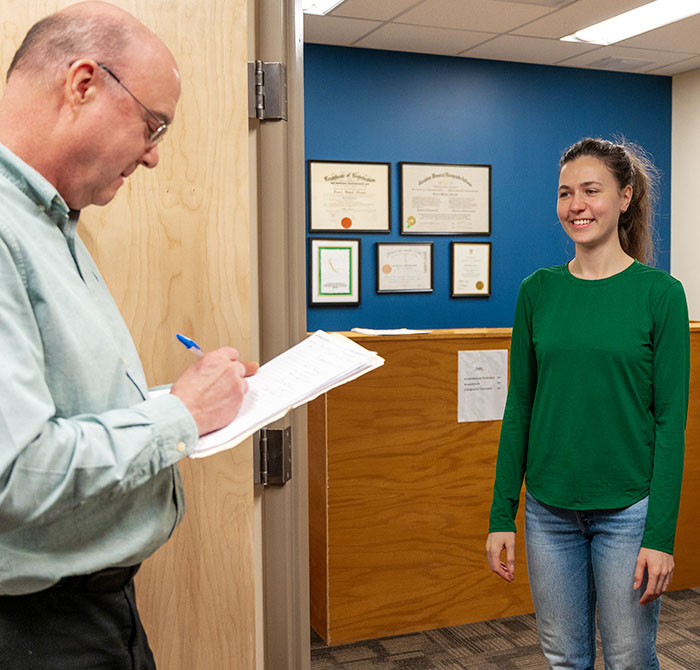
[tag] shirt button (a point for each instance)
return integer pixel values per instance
(181, 446)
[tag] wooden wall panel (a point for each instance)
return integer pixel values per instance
(687, 551)
(174, 247)
(318, 514)
(183, 234)
(409, 491)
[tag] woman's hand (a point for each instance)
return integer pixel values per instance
(496, 543)
(659, 569)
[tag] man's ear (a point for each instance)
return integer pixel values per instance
(82, 82)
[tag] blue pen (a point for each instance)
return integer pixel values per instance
(190, 344)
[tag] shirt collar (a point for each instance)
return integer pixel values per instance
(35, 186)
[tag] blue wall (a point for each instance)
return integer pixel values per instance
(364, 105)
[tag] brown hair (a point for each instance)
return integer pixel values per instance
(630, 165)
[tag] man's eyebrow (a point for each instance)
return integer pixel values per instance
(163, 118)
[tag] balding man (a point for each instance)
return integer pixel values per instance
(88, 481)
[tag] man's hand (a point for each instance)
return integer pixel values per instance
(496, 543)
(212, 389)
(659, 569)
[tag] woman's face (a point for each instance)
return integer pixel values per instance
(590, 202)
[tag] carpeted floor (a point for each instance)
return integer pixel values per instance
(504, 644)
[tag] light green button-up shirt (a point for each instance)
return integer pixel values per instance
(87, 462)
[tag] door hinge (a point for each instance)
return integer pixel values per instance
(273, 456)
(267, 90)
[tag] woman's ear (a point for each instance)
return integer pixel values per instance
(626, 198)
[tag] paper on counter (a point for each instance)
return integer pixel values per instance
(390, 331)
(483, 385)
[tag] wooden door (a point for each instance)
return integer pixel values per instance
(175, 249)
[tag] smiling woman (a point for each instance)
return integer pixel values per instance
(595, 420)
(590, 203)
(624, 180)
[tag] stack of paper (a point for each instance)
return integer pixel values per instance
(317, 364)
(389, 331)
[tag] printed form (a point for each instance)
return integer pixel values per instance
(483, 385)
(317, 364)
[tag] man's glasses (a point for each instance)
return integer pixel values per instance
(155, 135)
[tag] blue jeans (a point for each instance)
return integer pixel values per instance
(577, 559)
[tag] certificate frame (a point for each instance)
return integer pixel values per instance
(445, 199)
(404, 267)
(349, 196)
(470, 270)
(334, 271)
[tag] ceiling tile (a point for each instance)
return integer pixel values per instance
(678, 68)
(576, 16)
(543, 3)
(471, 15)
(400, 37)
(372, 9)
(654, 59)
(335, 30)
(679, 36)
(527, 50)
(468, 28)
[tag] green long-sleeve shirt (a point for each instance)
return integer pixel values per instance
(598, 397)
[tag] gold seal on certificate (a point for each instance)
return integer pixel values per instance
(404, 268)
(349, 197)
(445, 199)
(471, 269)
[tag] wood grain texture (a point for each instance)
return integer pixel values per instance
(195, 594)
(318, 515)
(687, 550)
(174, 245)
(174, 248)
(409, 491)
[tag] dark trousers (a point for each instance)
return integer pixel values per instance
(66, 629)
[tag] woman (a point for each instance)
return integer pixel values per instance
(595, 421)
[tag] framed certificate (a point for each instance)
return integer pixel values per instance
(334, 277)
(349, 197)
(471, 269)
(445, 199)
(404, 268)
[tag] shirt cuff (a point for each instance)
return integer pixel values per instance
(175, 428)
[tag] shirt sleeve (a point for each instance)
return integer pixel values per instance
(512, 447)
(50, 465)
(671, 373)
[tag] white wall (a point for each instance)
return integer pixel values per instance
(685, 186)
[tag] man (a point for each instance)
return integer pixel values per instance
(88, 482)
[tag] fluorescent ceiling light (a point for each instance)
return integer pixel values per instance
(636, 21)
(319, 6)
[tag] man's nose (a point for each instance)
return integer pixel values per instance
(150, 157)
